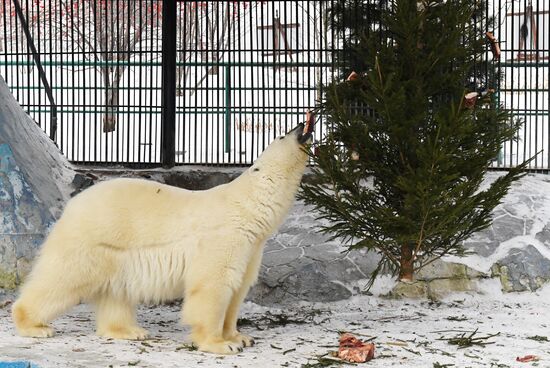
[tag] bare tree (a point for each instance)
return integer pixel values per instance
(107, 32)
(12, 36)
(203, 30)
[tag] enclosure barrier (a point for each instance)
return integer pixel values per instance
(213, 82)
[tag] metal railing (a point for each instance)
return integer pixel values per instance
(236, 75)
(524, 31)
(245, 72)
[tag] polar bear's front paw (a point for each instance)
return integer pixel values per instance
(36, 331)
(243, 340)
(223, 347)
(123, 332)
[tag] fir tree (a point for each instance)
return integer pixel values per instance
(400, 170)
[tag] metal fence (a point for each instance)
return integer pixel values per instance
(523, 26)
(245, 72)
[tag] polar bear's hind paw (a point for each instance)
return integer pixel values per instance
(124, 333)
(36, 331)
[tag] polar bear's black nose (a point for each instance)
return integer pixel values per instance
(302, 137)
(298, 130)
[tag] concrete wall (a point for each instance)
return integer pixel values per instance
(34, 178)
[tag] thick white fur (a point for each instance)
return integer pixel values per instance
(128, 241)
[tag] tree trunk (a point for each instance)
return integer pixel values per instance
(111, 104)
(406, 268)
(181, 78)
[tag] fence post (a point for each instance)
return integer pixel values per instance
(228, 109)
(168, 116)
(41, 73)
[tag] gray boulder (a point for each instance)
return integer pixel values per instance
(34, 185)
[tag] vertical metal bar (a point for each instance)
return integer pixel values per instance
(241, 106)
(185, 34)
(168, 116)
(196, 71)
(227, 109)
(97, 140)
(30, 80)
(253, 72)
(86, 142)
(209, 51)
(41, 73)
(501, 153)
(152, 96)
(115, 83)
(73, 104)
(5, 38)
(137, 139)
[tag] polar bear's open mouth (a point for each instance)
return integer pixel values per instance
(304, 131)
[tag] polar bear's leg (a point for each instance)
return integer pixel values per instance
(230, 331)
(36, 307)
(116, 319)
(204, 309)
(45, 295)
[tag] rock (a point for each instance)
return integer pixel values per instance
(544, 235)
(366, 262)
(523, 269)
(440, 270)
(34, 185)
(281, 257)
(310, 282)
(437, 280)
(344, 270)
(24, 218)
(272, 276)
(264, 294)
(200, 179)
(323, 252)
(475, 274)
(411, 290)
(81, 182)
(272, 245)
(439, 288)
(506, 227)
(8, 280)
(482, 243)
(502, 273)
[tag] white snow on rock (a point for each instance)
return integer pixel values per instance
(528, 202)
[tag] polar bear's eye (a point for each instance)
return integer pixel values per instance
(282, 137)
(256, 169)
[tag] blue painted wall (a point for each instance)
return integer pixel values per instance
(24, 220)
(18, 364)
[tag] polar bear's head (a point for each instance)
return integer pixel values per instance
(286, 153)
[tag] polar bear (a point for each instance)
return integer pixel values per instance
(127, 241)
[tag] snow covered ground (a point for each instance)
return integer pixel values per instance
(406, 333)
